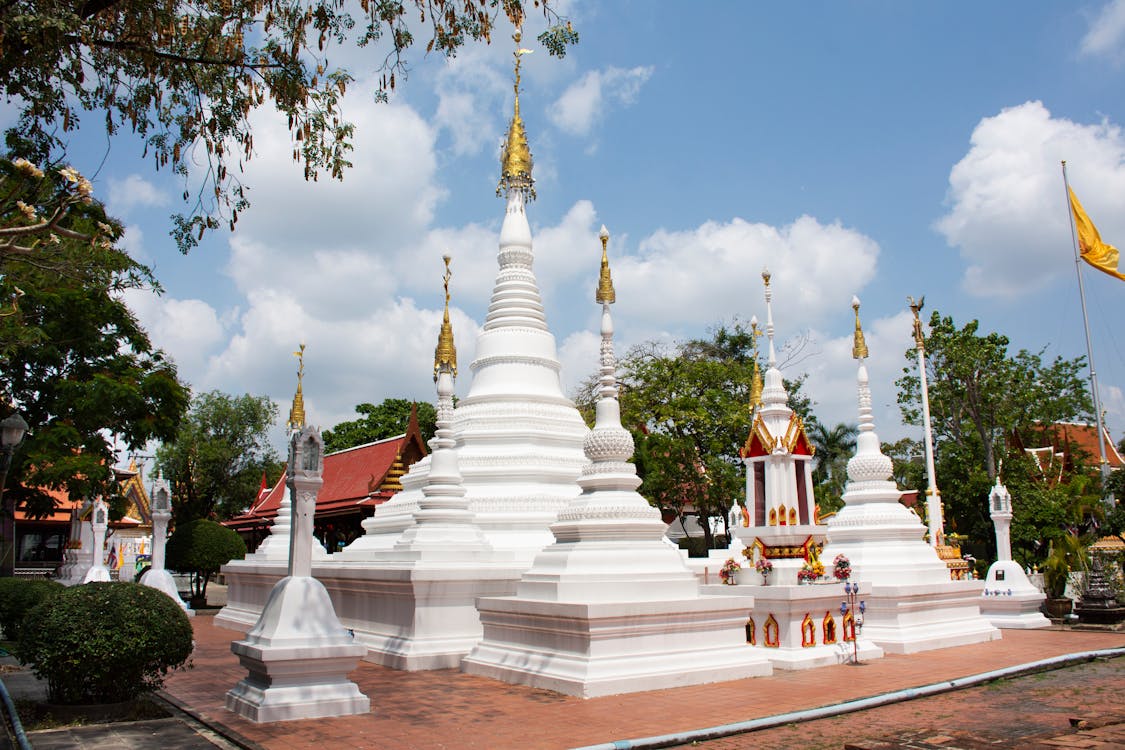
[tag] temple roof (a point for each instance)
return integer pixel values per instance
(1067, 442)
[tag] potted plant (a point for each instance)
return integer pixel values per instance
(765, 567)
(728, 574)
(841, 568)
(1066, 555)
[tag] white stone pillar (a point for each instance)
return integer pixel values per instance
(157, 576)
(1000, 509)
(99, 522)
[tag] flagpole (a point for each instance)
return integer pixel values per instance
(1107, 497)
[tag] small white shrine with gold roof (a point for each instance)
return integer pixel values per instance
(780, 510)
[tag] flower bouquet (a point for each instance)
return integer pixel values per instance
(806, 574)
(765, 567)
(842, 568)
(728, 571)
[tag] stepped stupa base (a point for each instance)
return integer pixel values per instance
(1010, 600)
(908, 618)
(800, 627)
(597, 649)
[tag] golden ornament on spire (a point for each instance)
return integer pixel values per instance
(297, 411)
(605, 293)
(756, 380)
(515, 160)
(445, 355)
(916, 307)
(859, 345)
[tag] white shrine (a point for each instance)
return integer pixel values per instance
(298, 655)
(610, 607)
(157, 576)
(99, 522)
(913, 606)
(1009, 599)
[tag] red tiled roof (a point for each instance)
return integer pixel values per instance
(1084, 437)
(352, 478)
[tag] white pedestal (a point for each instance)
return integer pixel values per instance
(298, 656)
(162, 580)
(909, 618)
(1010, 600)
(596, 649)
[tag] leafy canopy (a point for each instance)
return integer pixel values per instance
(184, 76)
(202, 547)
(215, 461)
(378, 423)
(73, 359)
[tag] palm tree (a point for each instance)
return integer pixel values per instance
(833, 447)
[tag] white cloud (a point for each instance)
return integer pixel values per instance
(186, 329)
(132, 192)
(587, 99)
(1106, 31)
(1008, 213)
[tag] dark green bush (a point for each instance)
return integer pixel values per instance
(17, 597)
(105, 642)
(202, 547)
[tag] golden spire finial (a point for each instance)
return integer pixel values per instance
(445, 355)
(605, 293)
(515, 159)
(916, 307)
(756, 380)
(859, 345)
(297, 411)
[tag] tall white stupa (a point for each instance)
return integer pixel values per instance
(519, 438)
(610, 607)
(913, 606)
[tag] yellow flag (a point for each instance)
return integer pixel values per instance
(1095, 252)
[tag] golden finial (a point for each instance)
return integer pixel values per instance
(445, 355)
(916, 307)
(859, 347)
(766, 275)
(515, 160)
(605, 293)
(297, 411)
(756, 380)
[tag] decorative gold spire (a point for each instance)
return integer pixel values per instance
(859, 345)
(445, 355)
(515, 160)
(756, 380)
(297, 411)
(916, 307)
(605, 293)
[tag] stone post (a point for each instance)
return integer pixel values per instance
(157, 576)
(1000, 509)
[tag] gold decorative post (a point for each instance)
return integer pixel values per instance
(934, 511)
(515, 159)
(859, 344)
(756, 380)
(297, 411)
(605, 293)
(445, 355)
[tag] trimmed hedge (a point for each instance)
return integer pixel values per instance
(105, 642)
(17, 597)
(202, 547)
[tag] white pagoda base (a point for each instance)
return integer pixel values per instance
(1010, 600)
(597, 649)
(298, 656)
(907, 618)
(162, 580)
(796, 646)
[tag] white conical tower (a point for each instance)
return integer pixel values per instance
(519, 438)
(609, 607)
(913, 605)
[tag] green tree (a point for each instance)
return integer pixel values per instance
(834, 446)
(201, 547)
(186, 76)
(688, 409)
(215, 462)
(380, 422)
(980, 396)
(74, 360)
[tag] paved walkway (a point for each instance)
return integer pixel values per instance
(447, 709)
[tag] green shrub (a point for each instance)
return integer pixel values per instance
(202, 547)
(17, 597)
(105, 642)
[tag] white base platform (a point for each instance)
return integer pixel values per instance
(298, 657)
(910, 618)
(597, 649)
(789, 606)
(162, 580)
(1010, 600)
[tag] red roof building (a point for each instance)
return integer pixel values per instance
(356, 480)
(1061, 446)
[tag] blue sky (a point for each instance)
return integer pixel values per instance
(882, 149)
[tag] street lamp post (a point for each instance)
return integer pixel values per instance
(851, 591)
(12, 430)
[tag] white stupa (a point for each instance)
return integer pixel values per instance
(610, 607)
(1009, 599)
(914, 606)
(519, 439)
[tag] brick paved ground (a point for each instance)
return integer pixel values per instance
(447, 709)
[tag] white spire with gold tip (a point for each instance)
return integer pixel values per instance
(586, 616)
